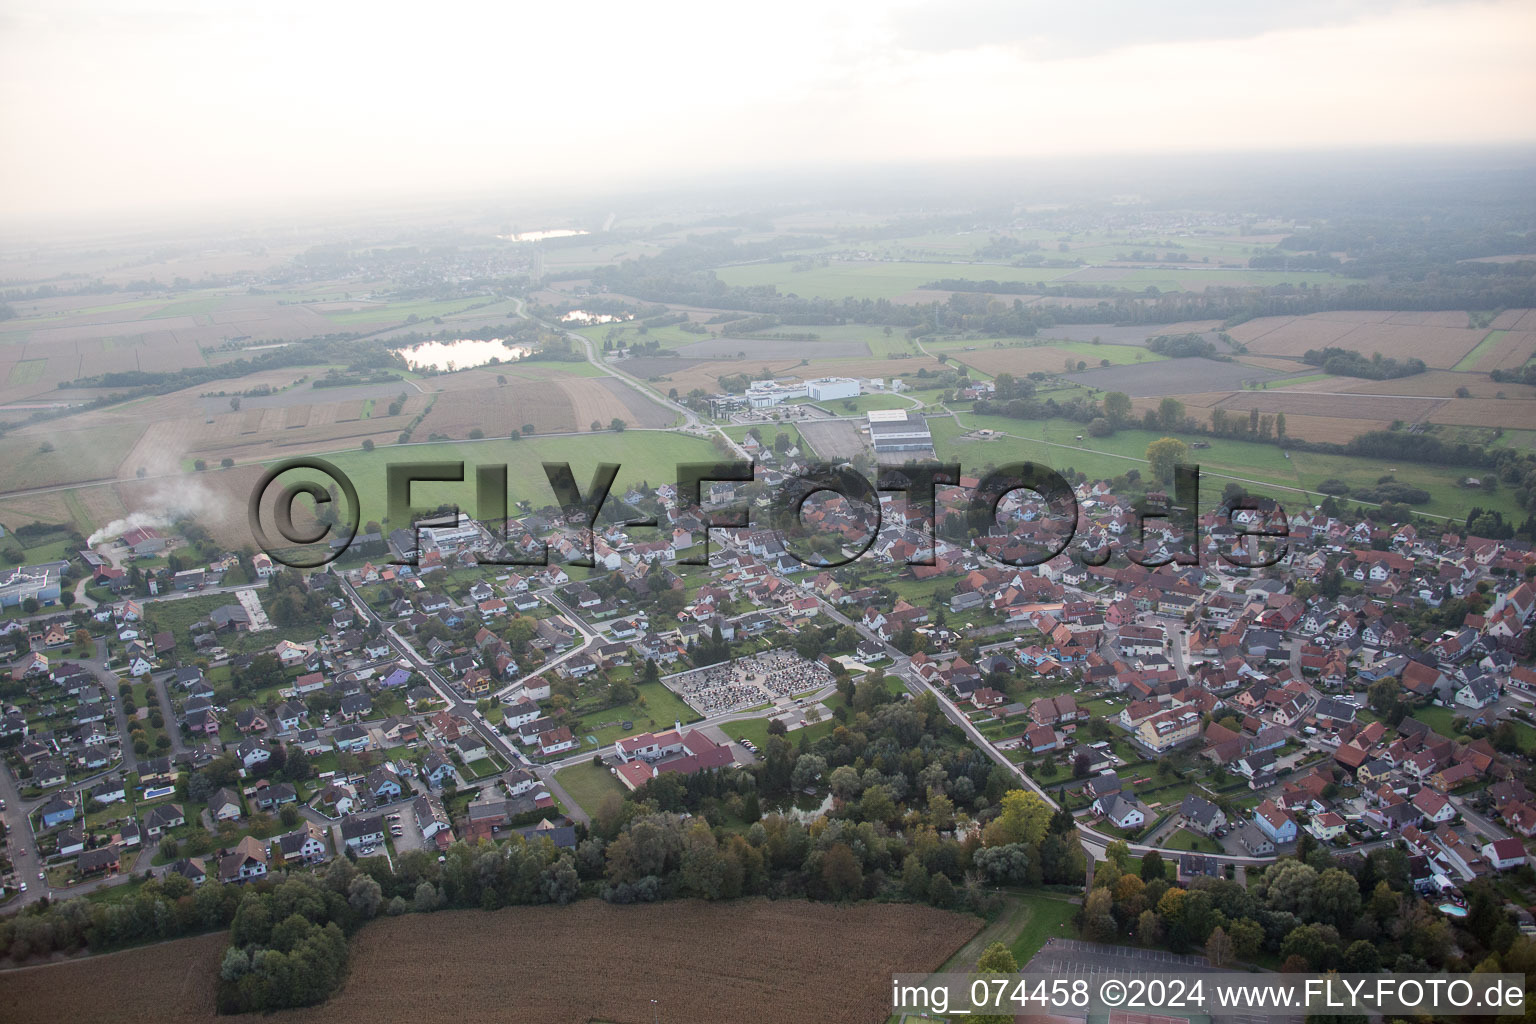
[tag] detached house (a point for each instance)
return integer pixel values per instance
(248, 860)
(1275, 822)
(1123, 811)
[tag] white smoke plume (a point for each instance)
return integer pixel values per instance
(179, 497)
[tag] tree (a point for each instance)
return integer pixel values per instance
(1247, 937)
(995, 959)
(1164, 454)
(841, 872)
(1152, 866)
(1361, 958)
(808, 769)
(1004, 865)
(1218, 948)
(1170, 413)
(1149, 928)
(235, 964)
(616, 425)
(1024, 819)
(364, 897)
(1117, 407)
(1098, 917)
(367, 444)
(941, 891)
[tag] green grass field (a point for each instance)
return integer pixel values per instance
(660, 709)
(187, 307)
(865, 403)
(1050, 917)
(27, 371)
(1183, 839)
(588, 785)
(1054, 443)
(651, 456)
(1471, 359)
(767, 431)
(1439, 719)
(756, 730)
(392, 312)
(872, 279)
(68, 457)
(1308, 379)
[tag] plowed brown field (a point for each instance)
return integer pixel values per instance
(703, 963)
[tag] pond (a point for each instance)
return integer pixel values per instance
(460, 354)
(804, 807)
(539, 236)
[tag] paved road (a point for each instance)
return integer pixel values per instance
(22, 846)
(589, 637)
(1094, 842)
(463, 708)
(160, 683)
(691, 422)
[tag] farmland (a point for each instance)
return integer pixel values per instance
(1053, 443)
(551, 407)
(902, 280)
(872, 279)
(803, 961)
(1021, 360)
(652, 457)
(1440, 339)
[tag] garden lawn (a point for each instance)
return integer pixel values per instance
(588, 784)
(1050, 916)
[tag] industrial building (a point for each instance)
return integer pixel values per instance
(828, 389)
(892, 430)
(38, 581)
(763, 393)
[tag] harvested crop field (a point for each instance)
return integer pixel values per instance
(1434, 384)
(1438, 342)
(1335, 429)
(773, 348)
(1021, 361)
(1510, 351)
(1361, 407)
(1172, 376)
(1277, 363)
(1487, 412)
(1124, 334)
(557, 406)
(750, 960)
(171, 982)
(523, 370)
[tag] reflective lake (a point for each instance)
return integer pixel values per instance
(461, 354)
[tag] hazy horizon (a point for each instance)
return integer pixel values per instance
(125, 108)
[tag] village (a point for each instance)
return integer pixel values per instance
(1363, 691)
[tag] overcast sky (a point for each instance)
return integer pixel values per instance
(117, 105)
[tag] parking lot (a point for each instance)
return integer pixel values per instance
(1096, 962)
(410, 837)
